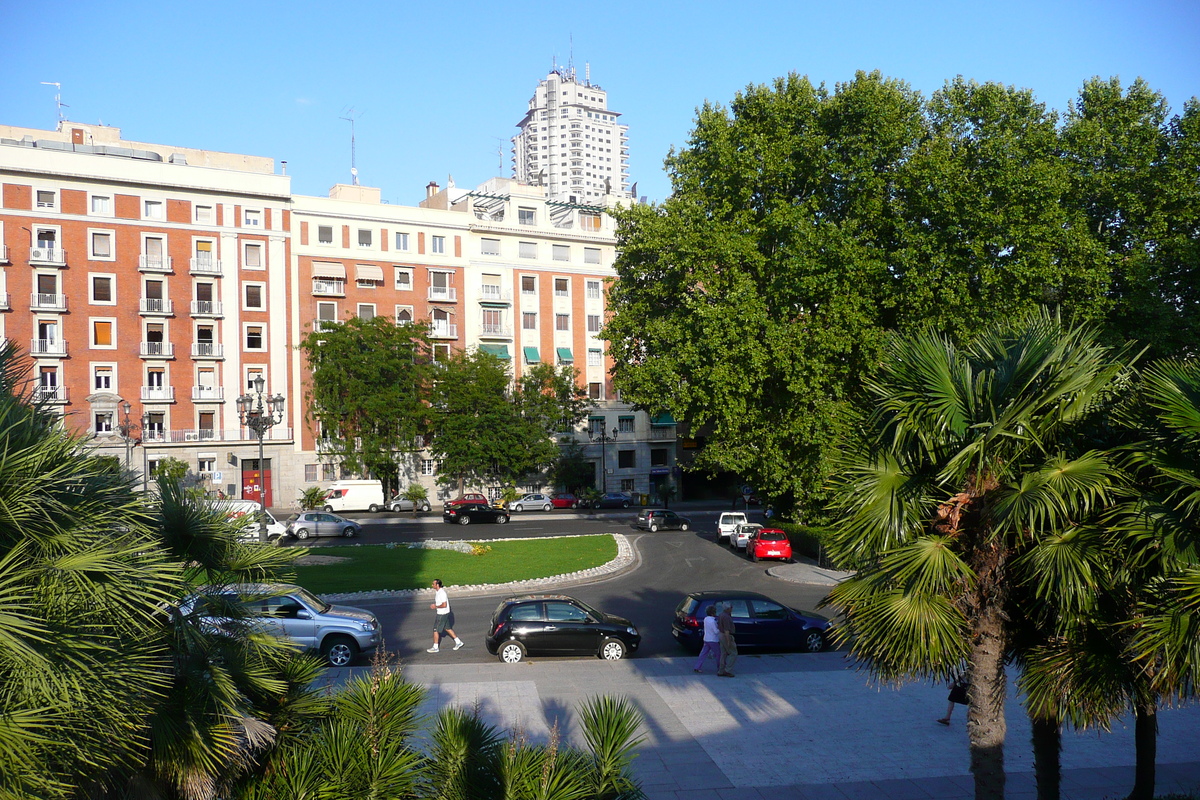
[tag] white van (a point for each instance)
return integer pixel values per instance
(354, 496)
(239, 509)
(728, 523)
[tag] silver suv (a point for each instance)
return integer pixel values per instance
(338, 633)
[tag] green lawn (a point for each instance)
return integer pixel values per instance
(378, 567)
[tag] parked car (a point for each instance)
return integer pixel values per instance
(614, 500)
(557, 625)
(758, 621)
(321, 523)
(470, 498)
(467, 513)
(249, 514)
(400, 504)
(652, 519)
(339, 633)
(532, 501)
(768, 543)
(566, 500)
(742, 534)
(727, 523)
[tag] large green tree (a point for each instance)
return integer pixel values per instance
(368, 393)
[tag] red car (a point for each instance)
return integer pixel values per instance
(470, 498)
(768, 543)
(565, 500)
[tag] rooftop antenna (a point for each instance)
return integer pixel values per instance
(587, 73)
(58, 103)
(571, 57)
(499, 156)
(351, 118)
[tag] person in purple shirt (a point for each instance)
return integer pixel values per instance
(712, 640)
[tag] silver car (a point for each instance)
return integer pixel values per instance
(400, 504)
(532, 501)
(321, 523)
(339, 633)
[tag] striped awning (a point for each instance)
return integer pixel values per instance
(369, 272)
(328, 269)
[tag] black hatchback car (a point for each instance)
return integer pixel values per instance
(758, 621)
(557, 625)
(467, 513)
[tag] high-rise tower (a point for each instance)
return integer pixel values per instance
(571, 142)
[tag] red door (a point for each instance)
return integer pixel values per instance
(256, 484)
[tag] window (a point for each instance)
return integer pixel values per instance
(153, 249)
(557, 611)
(310, 473)
(659, 456)
(152, 209)
(204, 254)
(438, 245)
(593, 290)
(324, 234)
(328, 472)
(252, 374)
(402, 241)
(441, 352)
(327, 313)
(593, 323)
(404, 315)
(529, 321)
(428, 466)
(364, 237)
(104, 333)
(255, 337)
(562, 287)
(102, 378)
(253, 257)
(156, 378)
(366, 311)
(204, 465)
(595, 358)
(625, 424)
(628, 484)
(101, 205)
(252, 219)
(102, 290)
(526, 216)
(47, 198)
(100, 245)
(204, 215)
(527, 250)
(493, 322)
(104, 423)
(561, 252)
(765, 609)
(528, 284)
(589, 221)
(489, 247)
(403, 279)
(252, 294)
(562, 322)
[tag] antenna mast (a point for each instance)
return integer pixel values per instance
(58, 103)
(353, 155)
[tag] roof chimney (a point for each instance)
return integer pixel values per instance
(431, 189)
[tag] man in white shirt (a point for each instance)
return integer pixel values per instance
(442, 619)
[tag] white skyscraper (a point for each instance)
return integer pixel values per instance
(571, 142)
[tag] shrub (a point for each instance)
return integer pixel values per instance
(809, 541)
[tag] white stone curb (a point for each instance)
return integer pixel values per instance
(625, 559)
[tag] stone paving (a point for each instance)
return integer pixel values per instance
(796, 726)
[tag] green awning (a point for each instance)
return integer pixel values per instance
(564, 354)
(531, 356)
(497, 350)
(662, 419)
(489, 304)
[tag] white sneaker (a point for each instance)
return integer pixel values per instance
(433, 649)
(459, 643)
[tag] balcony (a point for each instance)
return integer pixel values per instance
(155, 305)
(49, 394)
(3, 301)
(48, 347)
(495, 331)
(329, 288)
(320, 325)
(445, 330)
(154, 263)
(158, 394)
(494, 294)
(197, 435)
(208, 350)
(157, 350)
(206, 266)
(276, 434)
(443, 294)
(3, 254)
(48, 256)
(202, 394)
(153, 435)
(39, 301)
(207, 308)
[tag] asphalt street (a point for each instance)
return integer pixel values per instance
(670, 564)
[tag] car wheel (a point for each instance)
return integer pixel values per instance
(612, 650)
(547, 507)
(814, 641)
(426, 507)
(347, 531)
(517, 507)
(374, 509)
(624, 505)
(511, 652)
(501, 519)
(574, 506)
(464, 520)
(754, 556)
(329, 509)
(302, 533)
(339, 651)
(654, 527)
(683, 527)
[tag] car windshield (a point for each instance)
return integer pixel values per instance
(772, 536)
(311, 600)
(596, 614)
(749, 529)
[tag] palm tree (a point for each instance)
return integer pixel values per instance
(962, 471)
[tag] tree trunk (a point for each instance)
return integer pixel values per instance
(986, 726)
(1047, 768)
(1145, 738)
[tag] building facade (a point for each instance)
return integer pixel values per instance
(571, 142)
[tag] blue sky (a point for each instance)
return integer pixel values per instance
(439, 86)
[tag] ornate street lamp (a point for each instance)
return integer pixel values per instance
(260, 412)
(127, 428)
(603, 438)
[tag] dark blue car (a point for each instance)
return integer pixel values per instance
(758, 621)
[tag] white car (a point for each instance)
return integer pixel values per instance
(728, 522)
(532, 502)
(742, 535)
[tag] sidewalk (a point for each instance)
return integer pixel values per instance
(796, 726)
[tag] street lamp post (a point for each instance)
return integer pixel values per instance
(260, 412)
(603, 438)
(127, 428)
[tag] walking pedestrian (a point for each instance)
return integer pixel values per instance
(729, 651)
(442, 620)
(959, 685)
(712, 640)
